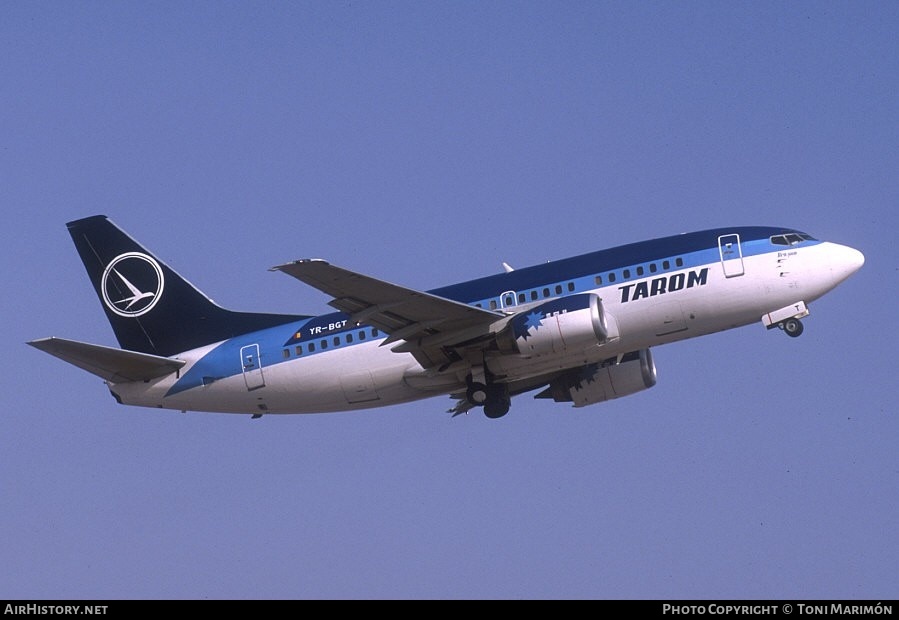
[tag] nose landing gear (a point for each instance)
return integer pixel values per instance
(787, 318)
(792, 327)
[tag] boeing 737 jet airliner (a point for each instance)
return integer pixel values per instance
(579, 330)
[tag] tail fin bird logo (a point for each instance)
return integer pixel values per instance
(132, 284)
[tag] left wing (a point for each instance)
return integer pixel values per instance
(431, 327)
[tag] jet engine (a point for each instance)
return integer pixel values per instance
(612, 378)
(561, 325)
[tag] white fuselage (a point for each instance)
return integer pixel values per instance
(641, 313)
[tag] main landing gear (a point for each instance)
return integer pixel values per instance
(493, 396)
(792, 327)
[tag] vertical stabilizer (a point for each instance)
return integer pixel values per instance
(151, 308)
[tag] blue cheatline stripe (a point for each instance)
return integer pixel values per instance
(693, 250)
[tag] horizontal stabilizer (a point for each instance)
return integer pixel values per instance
(114, 365)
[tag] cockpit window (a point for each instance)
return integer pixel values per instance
(791, 238)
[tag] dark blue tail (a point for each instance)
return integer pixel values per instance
(151, 308)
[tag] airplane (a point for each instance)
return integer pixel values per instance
(580, 330)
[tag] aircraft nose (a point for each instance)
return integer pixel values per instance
(845, 261)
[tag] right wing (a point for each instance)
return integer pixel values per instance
(114, 365)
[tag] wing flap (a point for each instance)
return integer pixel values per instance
(114, 365)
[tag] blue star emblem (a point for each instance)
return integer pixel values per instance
(533, 319)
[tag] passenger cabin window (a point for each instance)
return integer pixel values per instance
(534, 295)
(311, 347)
(571, 287)
(493, 304)
(349, 337)
(611, 277)
(679, 262)
(336, 341)
(286, 353)
(362, 335)
(598, 279)
(546, 292)
(558, 289)
(521, 298)
(666, 264)
(298, 350)
(639, 271)
(324, 344)
(627, 273)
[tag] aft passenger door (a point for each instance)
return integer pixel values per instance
(731, 255)
(252, 367)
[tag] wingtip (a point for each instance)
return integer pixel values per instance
(300, 261)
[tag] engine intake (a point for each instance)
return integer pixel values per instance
(612, 378)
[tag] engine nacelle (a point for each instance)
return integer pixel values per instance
(569, 323)
(609, 379)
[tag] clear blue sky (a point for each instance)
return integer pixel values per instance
(425, 143)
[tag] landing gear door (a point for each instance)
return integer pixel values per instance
(252, 367)
(731, 255)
